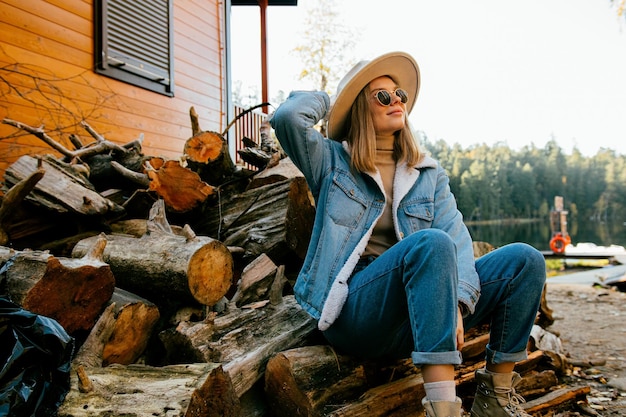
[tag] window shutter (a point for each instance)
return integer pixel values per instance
(136, 42)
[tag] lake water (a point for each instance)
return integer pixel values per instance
(538, 234)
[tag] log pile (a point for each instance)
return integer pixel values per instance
(175, 278)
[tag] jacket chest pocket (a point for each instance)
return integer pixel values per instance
(420, 215)
(346, 204)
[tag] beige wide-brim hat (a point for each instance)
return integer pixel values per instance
(400, 66)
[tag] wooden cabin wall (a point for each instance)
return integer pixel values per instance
(47, 79)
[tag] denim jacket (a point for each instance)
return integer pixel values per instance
(348, 204)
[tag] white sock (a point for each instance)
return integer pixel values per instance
(440, 391)
(501, 380)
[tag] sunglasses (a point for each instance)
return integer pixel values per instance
(384, 96)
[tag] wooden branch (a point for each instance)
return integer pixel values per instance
(195, 122)
(138, 178)
(41, 134)
(14, 197)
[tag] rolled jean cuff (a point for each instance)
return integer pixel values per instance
(437, 358)
(492, 356)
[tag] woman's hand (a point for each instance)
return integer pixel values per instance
(460, 332)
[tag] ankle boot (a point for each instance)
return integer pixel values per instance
(442, 408)
(496, 396)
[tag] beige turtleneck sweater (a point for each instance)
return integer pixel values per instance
(383, 236)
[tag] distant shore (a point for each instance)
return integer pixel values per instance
(500, 221)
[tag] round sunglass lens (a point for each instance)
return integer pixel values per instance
(384, 97)
(404, 97)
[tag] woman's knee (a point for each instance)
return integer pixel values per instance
(432, 239)
(533, 261)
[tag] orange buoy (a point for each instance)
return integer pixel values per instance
(559, 242)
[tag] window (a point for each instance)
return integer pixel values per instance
(134, 42)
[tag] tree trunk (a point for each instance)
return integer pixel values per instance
(72, 291)
(61, 189)
(191, 390)
(243, 339)
(207, 154)
(161, 264)
(275, 219)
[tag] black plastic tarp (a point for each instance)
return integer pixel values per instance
(35, 361)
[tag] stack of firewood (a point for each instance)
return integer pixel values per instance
(175, 277)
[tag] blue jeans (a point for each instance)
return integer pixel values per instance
(404, 302)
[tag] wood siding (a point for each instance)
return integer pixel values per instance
(47, 79)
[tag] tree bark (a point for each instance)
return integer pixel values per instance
(207, 154)
(316, 381)
(242, 339)
(180, 187)
(72, 291)
(274, 219)
(61, 189)
(13, 198)
(135, 321)
(191, 390)
(161, 264)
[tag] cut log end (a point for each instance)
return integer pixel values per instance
(204, 147)
(210, 273)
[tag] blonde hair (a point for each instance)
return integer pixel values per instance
(362, 138)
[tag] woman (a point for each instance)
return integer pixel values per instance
(390, 270)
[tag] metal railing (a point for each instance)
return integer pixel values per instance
(249, 126)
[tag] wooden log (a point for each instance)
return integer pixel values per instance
(190, 390)
(274, 219)
(165, 265)
(556, 399)
(242, 339)
(72, 291)
(255, 282)
(61, 189)
(316, 381)
(180, 187)
(135, 321)
(283, 170)
(14, 197)
(206, 153)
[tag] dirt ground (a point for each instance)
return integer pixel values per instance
(590, 323)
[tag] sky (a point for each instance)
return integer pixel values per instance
(492, 71)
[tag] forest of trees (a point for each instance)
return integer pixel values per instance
(496, 182)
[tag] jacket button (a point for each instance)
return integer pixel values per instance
(401, 235)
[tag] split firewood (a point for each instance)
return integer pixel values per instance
(556, 400)
(73, 291)
(90, 352)
(162, 265)
(255, 157)
(545, 318)
(316, 380)
(275, 219)
(284, 169)
(135, 320)
(256, 281)
(62, 188)
(180, 187)
(14, 197)
(242, 339)
(191, 390)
